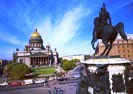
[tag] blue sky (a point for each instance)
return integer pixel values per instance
(66, 25)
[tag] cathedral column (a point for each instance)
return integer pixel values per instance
(44, 60)
(37, 60)
(31, 61)
(34, 61)
(41, 60)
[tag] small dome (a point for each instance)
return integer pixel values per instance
(35, 34)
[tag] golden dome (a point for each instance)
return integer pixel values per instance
(35, 34)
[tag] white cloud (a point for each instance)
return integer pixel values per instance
(57, 35)
(81, 48)
(121, 5)
(124, 4)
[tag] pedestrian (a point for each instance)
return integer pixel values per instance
(54, 91)
(49, 92)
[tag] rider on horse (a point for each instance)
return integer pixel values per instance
(104, 30)
(103, 19)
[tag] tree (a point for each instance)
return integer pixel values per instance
(87, 57)
(16, 70)
(68, 65)
(59, 60)
(7, 69)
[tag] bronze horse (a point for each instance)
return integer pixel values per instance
(108, 35)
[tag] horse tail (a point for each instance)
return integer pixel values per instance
(120, 29)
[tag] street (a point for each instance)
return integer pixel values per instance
(10, 88)
(40, 89)
(37, 90)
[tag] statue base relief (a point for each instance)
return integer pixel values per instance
(107, 75)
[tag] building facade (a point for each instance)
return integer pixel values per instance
(70, 57)
(35, 54)
(121, 47)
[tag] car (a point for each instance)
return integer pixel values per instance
(28, 81)
(62, 78)
(4, 84)
(15, 83)
(39, 81)
(51, 78)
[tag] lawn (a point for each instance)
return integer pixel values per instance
(43, 70)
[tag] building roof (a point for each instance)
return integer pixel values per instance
(129, 36)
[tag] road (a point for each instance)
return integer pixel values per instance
(34, 88)
(25, 89)
(37, 90)
(9, 88)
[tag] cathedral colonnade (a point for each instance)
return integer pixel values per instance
(39, 61)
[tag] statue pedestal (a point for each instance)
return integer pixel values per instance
(107, 75)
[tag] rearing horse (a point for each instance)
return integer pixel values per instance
(108, 35)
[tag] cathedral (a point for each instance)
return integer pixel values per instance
(35, 54)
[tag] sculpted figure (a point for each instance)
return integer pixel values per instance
(104, 30)
(104, 17)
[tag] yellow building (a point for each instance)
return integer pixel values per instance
(121, 47)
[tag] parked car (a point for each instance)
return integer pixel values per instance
(3, 84)
(15, 83)
(51, 78)
(39, 81)
(28, 81)
(62, 78)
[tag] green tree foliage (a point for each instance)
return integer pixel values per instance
(87, 57)
(68, 65)
(8, 69)
(59, 60)
(75, 60)
(16, 70)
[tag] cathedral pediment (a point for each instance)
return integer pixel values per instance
(39, 54)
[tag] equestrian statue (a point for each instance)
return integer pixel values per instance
(104, 30)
